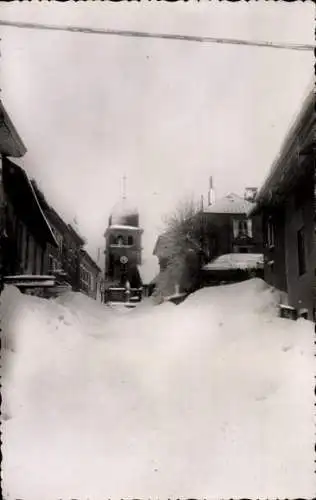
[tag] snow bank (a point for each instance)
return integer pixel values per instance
(165, 401)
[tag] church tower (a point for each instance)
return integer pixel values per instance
(123, 250)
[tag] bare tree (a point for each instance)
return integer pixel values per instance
(182, 250)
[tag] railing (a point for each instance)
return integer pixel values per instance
(24, 281)
(121, 294)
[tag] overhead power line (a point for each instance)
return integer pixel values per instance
(162, 36)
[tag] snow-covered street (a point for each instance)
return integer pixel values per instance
(212, 398)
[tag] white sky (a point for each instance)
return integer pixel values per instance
(167, 113)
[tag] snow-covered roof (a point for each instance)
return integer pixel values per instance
(11, 143)
(282, 167)
(235, 261)
(162, 245)
(74, 231)
(75, 227)
(22, 194)
(230, 204)
(124, 208)
(123, 226)
(91, 261)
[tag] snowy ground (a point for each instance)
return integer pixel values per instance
(209, 399)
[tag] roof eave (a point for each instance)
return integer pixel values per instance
(90, 259)
(253, 211)
(288, 146)
(79, 238)
(14, 147)
(15, 177)
(53, 238)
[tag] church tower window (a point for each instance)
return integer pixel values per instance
(120, 240)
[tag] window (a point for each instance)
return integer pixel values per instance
(242, 228)
(85, 278)
(19, 237)
(249, 227)
(50, 264)
(53, 264)
(120, 240)
(58, 237)
(42, 260)
(163, 263)
(270, 233)
(111, 265)
(123, 272)
(123, 266)
(301, 252)
(27, 242)
(235, 228)
(34, 266)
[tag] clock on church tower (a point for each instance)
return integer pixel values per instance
(123, 254)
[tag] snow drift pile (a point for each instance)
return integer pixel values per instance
(212, 398)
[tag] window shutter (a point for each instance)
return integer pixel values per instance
(235, 227)
(269, 232)
(249, 225)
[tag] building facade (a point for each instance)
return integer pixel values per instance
(27, 233)
(37, 241)
(286, 202)
(89, 275)
(226, 227)
(69, 261)
(123, 251)
(24, 230)
(11, 145)
(221, 228)
(34, 239)
(62, 260)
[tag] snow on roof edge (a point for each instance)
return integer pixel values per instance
(231, 203)
(235, 261)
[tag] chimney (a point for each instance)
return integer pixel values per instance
(250, 193)
(202, 202)
(211, 194)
